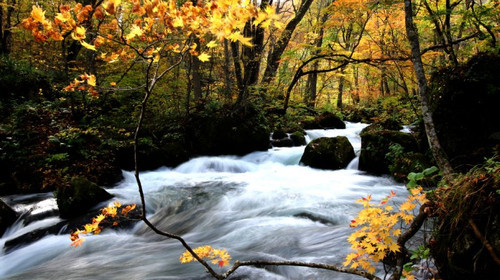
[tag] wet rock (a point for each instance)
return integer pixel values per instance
(66, 227)
(376, 144)
(285, 142)
(298, 138)
(328, 153)
(279, 134)
(79, 196)
(31, 237)
(326, 120)
(7, 217)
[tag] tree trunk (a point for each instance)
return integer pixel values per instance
(312, 79)
(273, 61)
(195, 74)
(5, 32)
(355, 74)
(437, 150)
(228, 87)
(341, 89)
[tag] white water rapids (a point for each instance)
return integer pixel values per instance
(261, 206)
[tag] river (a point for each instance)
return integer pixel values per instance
(260, 206)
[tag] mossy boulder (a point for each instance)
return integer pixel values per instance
(328, 153)
(326, 120)
(153, 155)
(284, 142)
(298, 138)
(7, 217)
(376, 145)
(465, 103)
(227, 132)
(279, 134)
(79, 196)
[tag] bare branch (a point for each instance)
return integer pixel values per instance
(361, 273)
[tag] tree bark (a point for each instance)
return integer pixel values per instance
(437, 151)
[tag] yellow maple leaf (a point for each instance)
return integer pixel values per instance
(134, 31)
(88, 46)
(204, 57)
(178, 22)
(393, 247)
(212, 44)
(92, 81)
(407, 206)
(38, 14)
(79, 33)
(63, 17)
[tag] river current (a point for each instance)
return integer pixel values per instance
(260, 206)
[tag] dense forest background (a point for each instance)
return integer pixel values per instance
(76, 76)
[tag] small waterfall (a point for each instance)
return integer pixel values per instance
(354, 164)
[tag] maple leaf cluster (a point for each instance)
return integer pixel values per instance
(215, 256)
(379, 228)
(95, 227)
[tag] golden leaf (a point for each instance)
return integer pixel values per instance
(92, 81)
(134, 31)
(79, 33)
(204, 57)
(38, 14)
(212, 44)
(88, 46)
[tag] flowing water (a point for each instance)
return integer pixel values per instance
(261, 206)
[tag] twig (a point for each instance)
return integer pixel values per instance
(485, 242)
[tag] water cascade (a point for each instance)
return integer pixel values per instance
(260, 206)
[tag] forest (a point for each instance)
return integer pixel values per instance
(238, 139)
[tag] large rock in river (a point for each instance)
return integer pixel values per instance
(7, 217)
(376, 144)
(324, 121)
(328, 153)
(79, 196)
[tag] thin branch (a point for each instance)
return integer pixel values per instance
(361, 273)
(403, 238)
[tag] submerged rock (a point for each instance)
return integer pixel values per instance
(328, 153)
(79, 196)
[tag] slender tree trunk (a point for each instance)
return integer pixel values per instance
(312, 79)
(355, 74)
(228, 87)
(340, 95)
(195, 74)
(5, 32)
(437, 150)
(273, 61)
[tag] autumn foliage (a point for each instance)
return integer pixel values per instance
(215, 256)
(110, 212)
(379, 226)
